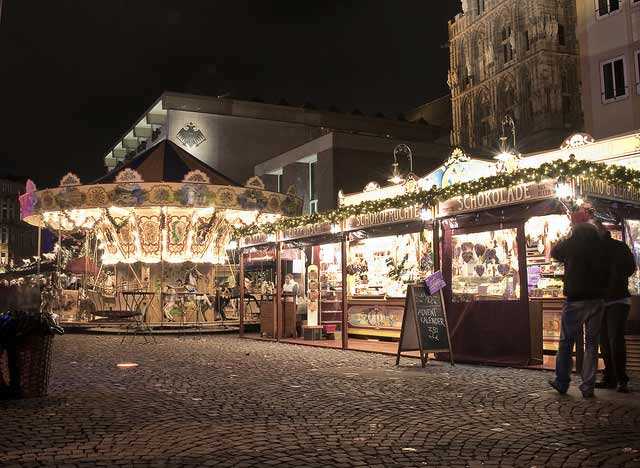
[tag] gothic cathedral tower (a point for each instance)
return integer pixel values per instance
(516, 58)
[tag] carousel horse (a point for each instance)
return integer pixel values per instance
(191, 286)
(170, 303)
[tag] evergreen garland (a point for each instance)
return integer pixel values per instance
(558, 169)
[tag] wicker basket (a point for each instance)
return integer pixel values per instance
(34, 363)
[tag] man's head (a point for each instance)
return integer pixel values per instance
(581, 215)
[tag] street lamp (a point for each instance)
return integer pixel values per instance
(400, 150)
(508, 156)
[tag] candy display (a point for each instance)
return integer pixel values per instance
(485, 266)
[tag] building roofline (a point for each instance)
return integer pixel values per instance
(340, 140)
(260, 110)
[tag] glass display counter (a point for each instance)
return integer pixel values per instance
(379, 270)
(485, 266)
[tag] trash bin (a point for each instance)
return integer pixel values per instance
(26, 342)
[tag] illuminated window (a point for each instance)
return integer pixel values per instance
(484, 266)
(613, 80)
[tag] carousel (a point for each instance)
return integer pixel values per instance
(158, 236)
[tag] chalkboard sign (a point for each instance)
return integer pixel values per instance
(424, 325)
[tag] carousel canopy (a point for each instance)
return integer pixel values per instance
(166, 162)
(163, 205)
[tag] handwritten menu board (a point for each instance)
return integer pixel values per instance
(424, 325)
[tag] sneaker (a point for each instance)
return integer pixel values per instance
(557, 386)
(605, 384)
(623, 388)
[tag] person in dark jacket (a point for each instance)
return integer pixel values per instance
(585, 279)
(616, 312)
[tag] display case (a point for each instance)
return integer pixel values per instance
(632, 237)
(379, 270)
(544, 274)
(485, 266)
(382, 267)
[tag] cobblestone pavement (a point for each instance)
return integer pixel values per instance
(222, 401)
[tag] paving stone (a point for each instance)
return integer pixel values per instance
(222, 401)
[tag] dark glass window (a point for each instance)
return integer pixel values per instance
(607, 76)
(608, 6)
(613, 79)
(313, 193)
(618, 72)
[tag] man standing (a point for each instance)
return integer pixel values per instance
(585, 280)
(617, 305)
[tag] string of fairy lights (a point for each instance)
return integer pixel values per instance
(562, 170)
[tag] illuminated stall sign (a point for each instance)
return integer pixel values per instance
(309, 230)
(396, 215)
(257, 239)
(600, 189)
(498, 197)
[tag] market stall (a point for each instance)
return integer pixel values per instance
(491, 235)
(160, 223)
(385, 254)
(360, 266)
(505, 299)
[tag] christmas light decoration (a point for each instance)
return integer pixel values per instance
(562, 170)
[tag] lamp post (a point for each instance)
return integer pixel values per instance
(400, 150)
(509, 155)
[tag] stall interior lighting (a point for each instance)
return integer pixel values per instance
(425, 214)
(564, 190)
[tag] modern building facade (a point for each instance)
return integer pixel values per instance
(517, 58)
(608, 33)
(18, 240)
(337, 161)
(234, 136)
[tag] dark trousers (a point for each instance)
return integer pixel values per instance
(613, 345)
(575, 314)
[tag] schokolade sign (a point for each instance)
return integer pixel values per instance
(424, 325)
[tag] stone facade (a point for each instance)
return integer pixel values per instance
(18, 239)
(517, 58)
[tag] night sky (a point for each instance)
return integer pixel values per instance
(77, 74)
